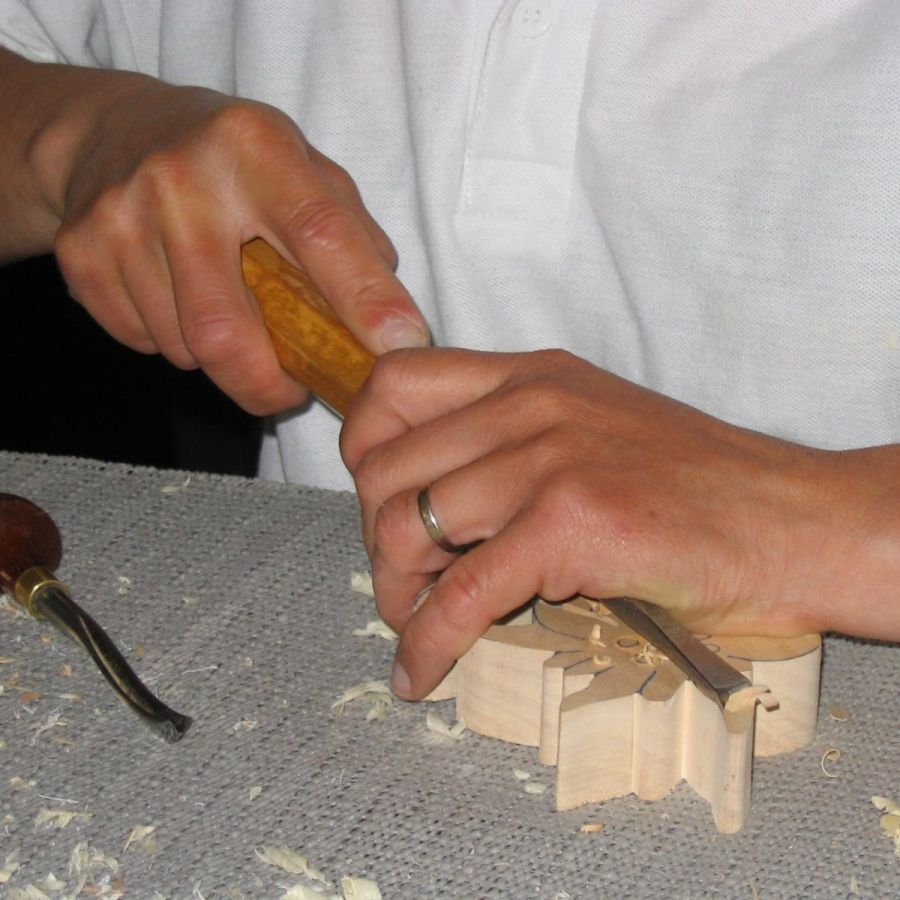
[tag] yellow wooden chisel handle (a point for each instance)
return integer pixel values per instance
(311, 342)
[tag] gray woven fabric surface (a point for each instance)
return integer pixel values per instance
(235, 594)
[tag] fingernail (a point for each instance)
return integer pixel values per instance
(400, 683)
(399, 333)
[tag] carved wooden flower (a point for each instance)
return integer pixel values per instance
(616, 716)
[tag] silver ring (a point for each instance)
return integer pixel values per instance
(434, 530)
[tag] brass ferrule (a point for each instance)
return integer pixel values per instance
(30, 582)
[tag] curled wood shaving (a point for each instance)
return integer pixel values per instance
(140, 838)
(890, 820)
(10, 867)
(838, 713)
(360, 889)
(20, 784)
(376, 628)
(84, 863)
(437, 725)
(303, 892)
(51, 883)
(832, 754)
(58, 818)
(376, 693)
(175, 488)
(290, 861)
(361, 582)
(749, 696)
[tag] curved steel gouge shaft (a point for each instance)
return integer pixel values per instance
(30, 547)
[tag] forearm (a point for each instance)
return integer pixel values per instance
(47, 116)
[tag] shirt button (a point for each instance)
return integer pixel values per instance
(531, 18)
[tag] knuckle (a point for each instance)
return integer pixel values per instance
(251, 124)
(461, 599)
(319, 223)
(391, 530)
(213, 337)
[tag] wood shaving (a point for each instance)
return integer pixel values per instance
(175, 488)
(750, 696)
(51, 883)
(26, 697)
(838, 713)
(29, 892)
(245, 724)
(854, 886)
(290, 861)
(65, 670)
(10, 867)
(376, 628)
(124, 585)
(54, 720)
(890, 820)
(84, 863)
(58, 818)
(534, 787)
(521, 774)
(376, 693)
(592, 827)
(140, 838)
(832, 754)
(20, 784)
(254, 792)
(359, 889)
(361, 582)
(437, 725)
(303, 892)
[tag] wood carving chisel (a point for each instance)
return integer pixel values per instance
(30, 549)
(315, 347)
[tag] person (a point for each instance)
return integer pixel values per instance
(694, 202)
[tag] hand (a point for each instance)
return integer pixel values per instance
(571, 480)
(155, 188)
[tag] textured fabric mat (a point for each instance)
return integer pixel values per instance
(232, 598)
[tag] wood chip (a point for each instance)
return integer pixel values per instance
(838, 713)
(140, 837)
(58, 818)
(534, 787)
(832, 754)
(290, 861)
(376, 693)
(592, 827)
(436, 724)
(361, 582)
(360, 889)
(376, 628)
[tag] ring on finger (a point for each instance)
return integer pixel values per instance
(429, 520)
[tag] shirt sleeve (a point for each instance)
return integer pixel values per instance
(56, 31)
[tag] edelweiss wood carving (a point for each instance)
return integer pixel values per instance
(616, 717)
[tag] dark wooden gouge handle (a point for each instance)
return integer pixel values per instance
(311, 342)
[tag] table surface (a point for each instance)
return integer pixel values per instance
(232, 598)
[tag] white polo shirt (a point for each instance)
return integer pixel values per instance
(701, 196)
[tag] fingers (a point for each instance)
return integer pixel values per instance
(476, 590)
(152, 249)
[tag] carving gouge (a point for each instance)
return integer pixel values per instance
(315, 348)
(30, 548)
